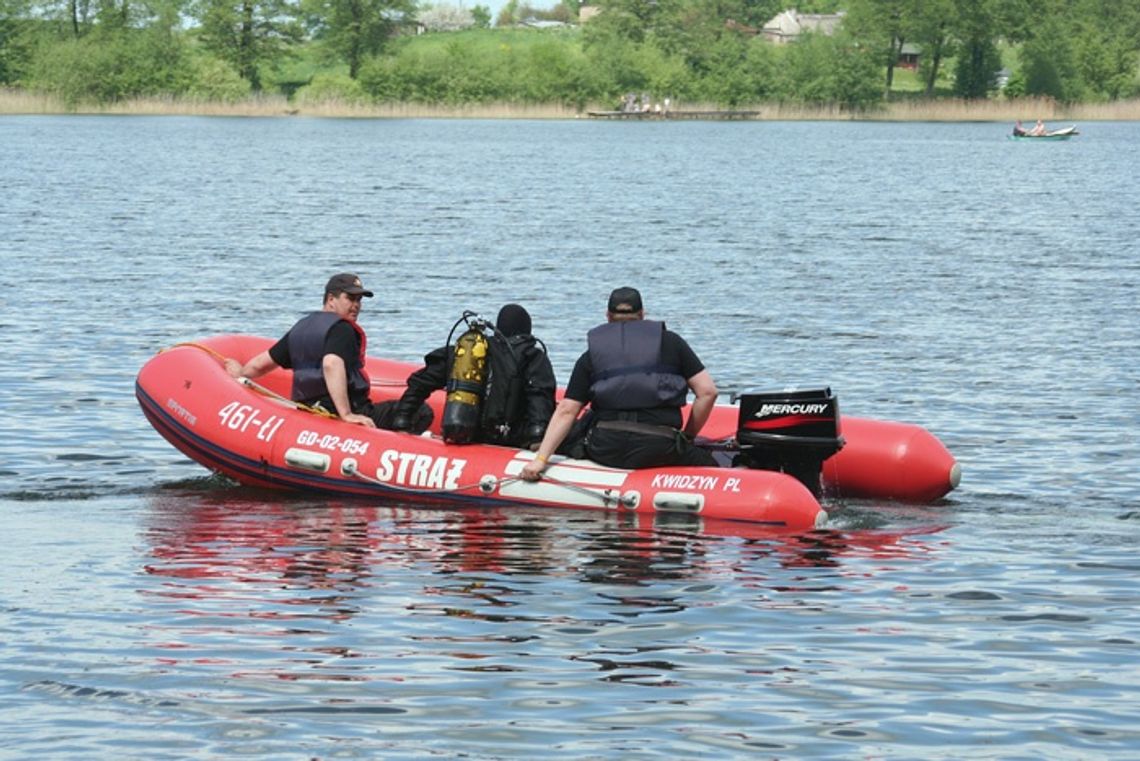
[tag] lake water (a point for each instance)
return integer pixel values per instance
(933, 273)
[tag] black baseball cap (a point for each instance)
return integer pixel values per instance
(624, 301)
(346, 282)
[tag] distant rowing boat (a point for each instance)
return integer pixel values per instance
(639, 115)
(1058, 134)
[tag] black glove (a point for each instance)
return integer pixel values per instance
(533, 434)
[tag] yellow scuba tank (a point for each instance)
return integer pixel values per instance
(465, 384)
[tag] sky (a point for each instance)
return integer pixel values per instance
(494, 5)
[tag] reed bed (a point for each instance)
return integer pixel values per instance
(15, 101)
(1008, 110)
(336, 108)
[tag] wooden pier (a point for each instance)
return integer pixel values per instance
(666, 115)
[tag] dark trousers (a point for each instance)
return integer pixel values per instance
(633, 449)
(384, 415)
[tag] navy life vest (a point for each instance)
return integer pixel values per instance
(306, 354)
(628, 373)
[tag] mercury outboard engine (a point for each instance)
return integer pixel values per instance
(789, 431)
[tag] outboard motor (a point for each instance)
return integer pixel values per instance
(789, 431)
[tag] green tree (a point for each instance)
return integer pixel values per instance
(63, 18)
(554, 71)
(1107, 65)
(330, 87)
(1047, 62)
(212, 79)
(837, 70)
(1012, 19)
(108, 65)
(250, 35)
(611, 25)
(349, 31)
(482, 16)
(615, 57)
(13, 27)
(978, 61)
(756, 13)
(1105, 47)
(856, 75)
(722, 76)
(761, 62)
(931, 30)
(508, 14)
(884, 26)
(975, 75)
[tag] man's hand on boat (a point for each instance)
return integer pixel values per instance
(559, 426)
(363, 420)
(533, 470)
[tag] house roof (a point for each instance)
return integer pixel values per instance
(791, 23)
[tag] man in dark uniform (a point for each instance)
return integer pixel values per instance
(635, 376)
(326, 351)
(519, 396)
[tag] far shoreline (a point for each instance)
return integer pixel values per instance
(15, 102)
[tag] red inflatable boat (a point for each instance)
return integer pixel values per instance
(252, 433)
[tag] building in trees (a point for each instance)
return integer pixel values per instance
(788, 25)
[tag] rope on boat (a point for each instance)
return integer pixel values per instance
(606, 495)
(212, 352)
(255, 386)
(488, 483)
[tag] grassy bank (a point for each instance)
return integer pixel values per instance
(20, 102)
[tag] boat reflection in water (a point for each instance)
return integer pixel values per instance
(342, 546)
(261, 591)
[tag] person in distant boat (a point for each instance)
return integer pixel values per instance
(1018, 129)
(325, 350)
(635, 375)
(1038, 129)
(518, 398)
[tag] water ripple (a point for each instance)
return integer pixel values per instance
(152, 610)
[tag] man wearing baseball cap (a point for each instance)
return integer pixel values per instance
(635, 376)
(326, 351)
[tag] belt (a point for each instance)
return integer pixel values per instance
(631, 426)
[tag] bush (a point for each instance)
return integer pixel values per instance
(821, 70)
(104, 68)
(212, 79)
(325, 88)
(16, 39)
(1015, 86)
(476, 66)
